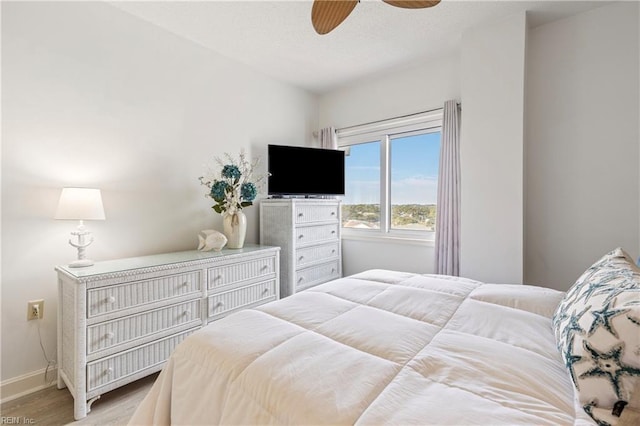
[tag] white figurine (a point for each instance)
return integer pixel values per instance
(210, 239)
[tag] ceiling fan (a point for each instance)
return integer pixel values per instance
(328, 14)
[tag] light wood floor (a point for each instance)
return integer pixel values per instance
(53, 407)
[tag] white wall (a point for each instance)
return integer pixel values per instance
(583, 138)
(550, 145)
(491, 151)
(418, 88)
(361, 255)
(489, 78)
(95, 97)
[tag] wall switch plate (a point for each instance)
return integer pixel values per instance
(35, 309)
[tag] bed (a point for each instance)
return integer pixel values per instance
(379, 347)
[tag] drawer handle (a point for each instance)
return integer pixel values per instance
(266, 290)
(333, 270)
(333, 232)
(186, 313)
(111, 299)
(185, 284)
(265, 267)
(333, 251)
(301, 236)
(300, 258)
(300, 279)
(333, 213)
(300, 215)
(108, 371)
(218, 277)
(109, 335)
(219, 305)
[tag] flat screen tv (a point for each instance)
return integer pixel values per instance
(302, 171)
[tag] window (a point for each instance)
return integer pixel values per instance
(361, 204)
(391, 177)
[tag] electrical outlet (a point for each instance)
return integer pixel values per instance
(35, 309)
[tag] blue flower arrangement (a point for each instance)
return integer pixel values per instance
(234, 187)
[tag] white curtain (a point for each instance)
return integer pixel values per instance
(328, 138)
(448, 214)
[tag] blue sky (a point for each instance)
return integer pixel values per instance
(414, 171)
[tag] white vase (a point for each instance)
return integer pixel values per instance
(235, 229)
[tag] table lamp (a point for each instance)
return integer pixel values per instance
(80, 204)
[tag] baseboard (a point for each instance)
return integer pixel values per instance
(27, 383)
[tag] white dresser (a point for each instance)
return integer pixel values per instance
(119, 320)
(308, 232)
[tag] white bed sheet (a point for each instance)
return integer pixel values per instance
(380, 347)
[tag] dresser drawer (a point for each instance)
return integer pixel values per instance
(315, 275)
(111, 369)
(108, 334)
(114, 298)
(316, 213)
(223, 275)
(315, 254)
(223, 302)
(310, 234)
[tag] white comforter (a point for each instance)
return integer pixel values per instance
(380, 347)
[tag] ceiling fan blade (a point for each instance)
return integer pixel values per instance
(328, 14)
(409, 4)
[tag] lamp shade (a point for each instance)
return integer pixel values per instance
(80, 204)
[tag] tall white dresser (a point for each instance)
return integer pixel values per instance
(308, 233)
(119, 320)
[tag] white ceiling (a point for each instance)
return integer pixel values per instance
(277, 37)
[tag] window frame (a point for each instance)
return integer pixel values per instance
(384, 132)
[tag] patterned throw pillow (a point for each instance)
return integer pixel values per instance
(597, 329)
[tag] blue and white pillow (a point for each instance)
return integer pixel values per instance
(597, 329)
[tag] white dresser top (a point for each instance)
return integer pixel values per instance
(150, 261)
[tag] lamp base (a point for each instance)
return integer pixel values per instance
(81, 245)
(81, 263)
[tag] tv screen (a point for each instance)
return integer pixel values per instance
(304, 171)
